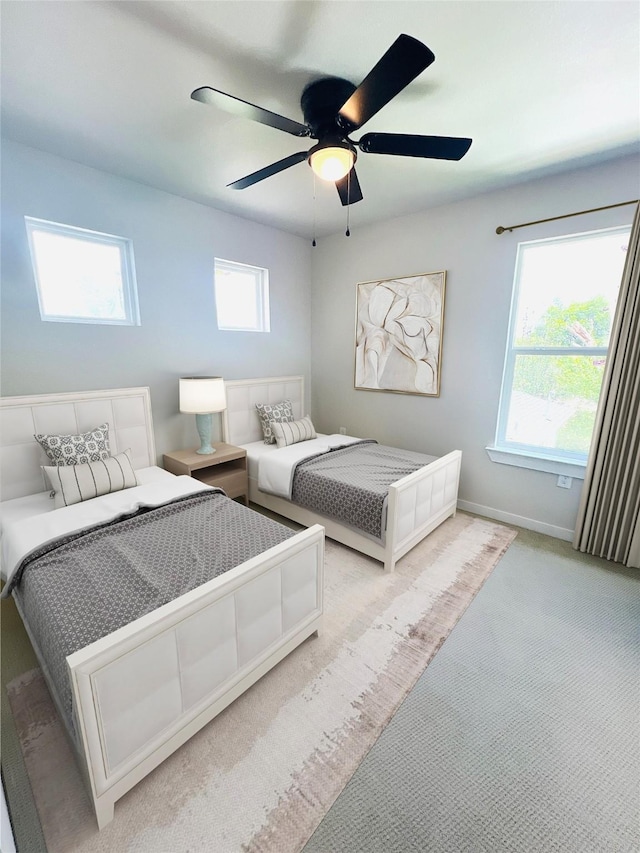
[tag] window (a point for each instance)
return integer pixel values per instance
(565, 292)
(82, 276)
(242, 297)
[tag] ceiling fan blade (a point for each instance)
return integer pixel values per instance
(349, 188)
(268, 171)
(410, 145)
(238, 107)
(406, 58)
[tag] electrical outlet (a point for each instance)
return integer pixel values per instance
(342, 430)
(564, 482)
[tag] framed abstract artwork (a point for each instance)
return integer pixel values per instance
(399, 334)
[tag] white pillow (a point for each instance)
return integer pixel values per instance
(73, 484)
(291, 432)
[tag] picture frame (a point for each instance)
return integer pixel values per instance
(399, 327)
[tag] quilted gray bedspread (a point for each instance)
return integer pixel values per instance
(86, 585)
(351, 484)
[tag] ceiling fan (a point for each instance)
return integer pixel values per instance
(333, 108)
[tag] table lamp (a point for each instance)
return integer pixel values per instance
(201, 396)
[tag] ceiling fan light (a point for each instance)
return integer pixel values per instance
(332, 163)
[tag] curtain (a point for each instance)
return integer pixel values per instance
(608, 522)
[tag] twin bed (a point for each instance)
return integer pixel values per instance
(142, 690)
(133, 685)
(416, 503)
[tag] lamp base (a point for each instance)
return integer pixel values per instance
(203, 425)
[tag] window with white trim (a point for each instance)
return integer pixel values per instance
(82, 276)
(564, 298)
(242, 297)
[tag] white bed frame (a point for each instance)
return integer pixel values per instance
(416, 505)
(142, 691)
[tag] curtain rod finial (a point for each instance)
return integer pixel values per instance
(500, 230)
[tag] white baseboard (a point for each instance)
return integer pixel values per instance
(519, 520)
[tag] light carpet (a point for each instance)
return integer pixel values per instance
(523, 735)
(260, 777)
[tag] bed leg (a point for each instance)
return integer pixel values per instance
(104, 811)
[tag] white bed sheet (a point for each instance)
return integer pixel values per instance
(19, 508)
(23, 530)
(276, 469)
(257, 449)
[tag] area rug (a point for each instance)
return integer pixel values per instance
(260, 777)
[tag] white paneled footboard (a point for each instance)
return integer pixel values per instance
(144, 690)
(418, 503)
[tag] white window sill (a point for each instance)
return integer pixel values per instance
(537, 462)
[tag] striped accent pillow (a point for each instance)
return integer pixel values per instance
(291, 432)
(73, 484)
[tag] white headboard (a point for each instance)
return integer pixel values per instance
(240, 422)
(126, 410)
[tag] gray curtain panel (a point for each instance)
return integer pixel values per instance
(608, 522)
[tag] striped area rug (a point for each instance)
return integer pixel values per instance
(260, 777)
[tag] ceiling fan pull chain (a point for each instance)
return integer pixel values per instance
(313, 242)
(347, 233)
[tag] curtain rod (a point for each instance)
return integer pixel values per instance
(501, 230)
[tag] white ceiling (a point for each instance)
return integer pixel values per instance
(539, 86)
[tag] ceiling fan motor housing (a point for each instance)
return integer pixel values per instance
(320, 103)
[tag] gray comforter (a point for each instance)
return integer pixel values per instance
(86, 585)
(351, 484)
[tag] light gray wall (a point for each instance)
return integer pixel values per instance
(461, 239)
(175, 242)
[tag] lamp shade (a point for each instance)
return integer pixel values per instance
(332, 163)
(202, 395)
(332, 158)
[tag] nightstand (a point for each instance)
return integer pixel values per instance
(226, 468)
